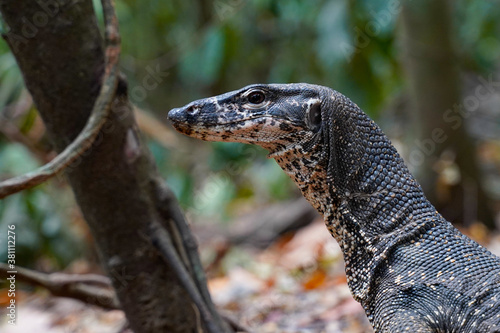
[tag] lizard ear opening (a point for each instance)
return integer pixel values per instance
(314, 117)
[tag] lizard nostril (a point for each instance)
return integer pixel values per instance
(192, 109)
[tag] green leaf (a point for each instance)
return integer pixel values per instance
(15, 159)
(334, 40)
(204, 64)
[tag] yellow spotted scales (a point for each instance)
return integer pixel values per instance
(409, 267)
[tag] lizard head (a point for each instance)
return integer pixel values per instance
(317, 135)
(278, 117)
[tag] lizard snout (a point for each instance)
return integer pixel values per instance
(176, 115)
(185, 114)
(194, 113)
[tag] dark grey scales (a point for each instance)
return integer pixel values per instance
(409, 267)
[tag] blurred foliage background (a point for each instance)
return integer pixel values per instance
(178, 51)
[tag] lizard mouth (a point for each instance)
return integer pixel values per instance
(283, 124)
(204, 128)
(263, 130)
(200, 124)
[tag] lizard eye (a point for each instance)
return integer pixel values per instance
(256, 97)
(314, 117)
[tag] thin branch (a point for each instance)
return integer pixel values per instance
(234, 324)
(170, 210)
(187, 246)
(161, 240)
(151, 126)
(88, 288)
(98, 116)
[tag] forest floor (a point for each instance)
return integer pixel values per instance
(296, 285)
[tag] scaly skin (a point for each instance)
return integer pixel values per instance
(409, 267)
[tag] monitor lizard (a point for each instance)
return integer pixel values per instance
(410, 269)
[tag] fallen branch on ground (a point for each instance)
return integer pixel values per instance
(88, 288)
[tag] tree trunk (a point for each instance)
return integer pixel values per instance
(58, 47)
(443, 155)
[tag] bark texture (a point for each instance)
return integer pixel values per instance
(58, 46)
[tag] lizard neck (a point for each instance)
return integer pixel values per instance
(371, 198)
(365, 221)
